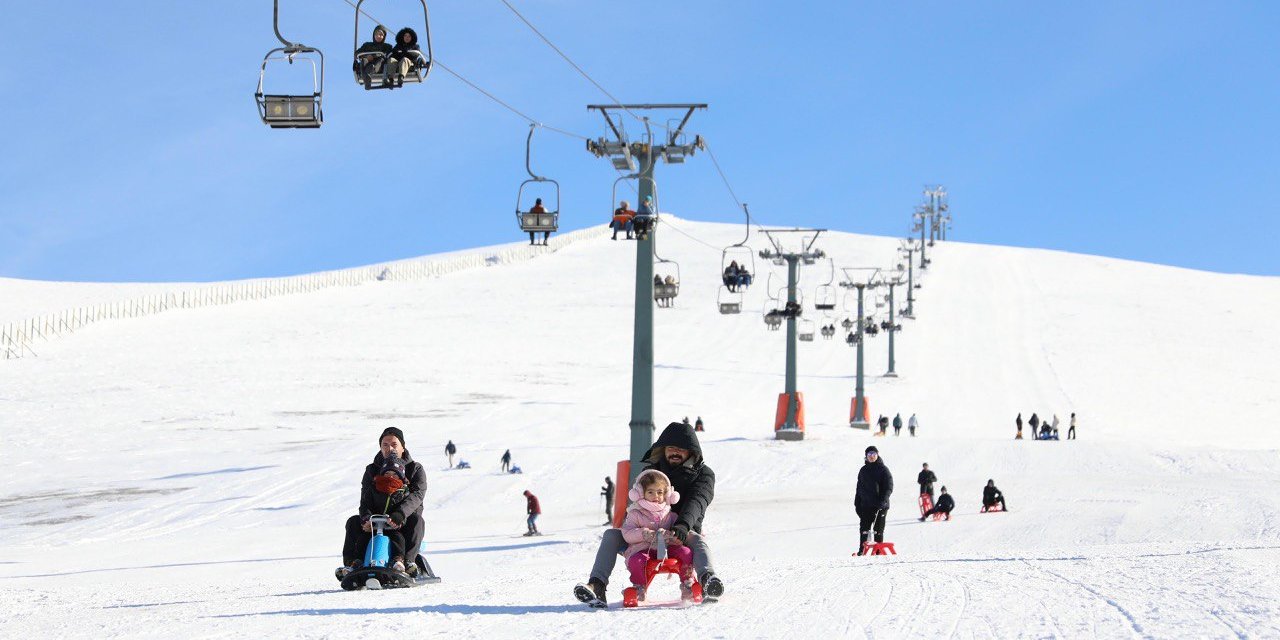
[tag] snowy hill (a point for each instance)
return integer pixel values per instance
(192, 469)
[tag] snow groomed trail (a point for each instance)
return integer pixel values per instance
(190, 472)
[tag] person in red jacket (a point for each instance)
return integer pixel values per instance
(534, 510)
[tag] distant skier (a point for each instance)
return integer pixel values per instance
(650, 511)
(697, 424)
(925, 479)
(1071, 431)
(871, 499)
(912, 423)
(607, 492)
(677, 454)
(1018, 421)
(944, 506)
(1034, 423)
(992, 496)
(686, 421)
(449, 450)
(534, 510)
(395, 485)
(506, 461)
(897, 424)
(883, 423)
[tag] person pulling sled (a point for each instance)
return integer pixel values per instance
(871, 499)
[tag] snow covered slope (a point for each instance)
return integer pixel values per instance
(192, 470)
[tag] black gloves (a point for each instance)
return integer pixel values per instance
(681, 533)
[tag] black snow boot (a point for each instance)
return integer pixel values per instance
(712, 587)
(592, 594)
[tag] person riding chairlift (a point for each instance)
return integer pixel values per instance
(644, 218)
(623, 219)
(372, 55)
(404, 56)
(538, 209)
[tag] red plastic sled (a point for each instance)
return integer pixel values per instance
(878, 549)
(655, 567)
(995, 508)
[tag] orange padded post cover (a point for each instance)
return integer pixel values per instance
(866, 408)
(780, 416)
(620, 491)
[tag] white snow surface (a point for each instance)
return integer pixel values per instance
(189, 473)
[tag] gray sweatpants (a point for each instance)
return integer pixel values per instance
(612, 545)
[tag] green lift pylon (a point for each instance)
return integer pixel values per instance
(624, 154)
(791, 426)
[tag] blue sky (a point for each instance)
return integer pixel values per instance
(1138, 130)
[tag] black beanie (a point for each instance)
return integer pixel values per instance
(392, 431)
(869, 450)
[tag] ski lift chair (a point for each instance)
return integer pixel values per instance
(729, 302)
(419, 69)
(292, 110)
(530, 222)
(805, 331)
(667, 292)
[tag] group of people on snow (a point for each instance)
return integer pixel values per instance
(1044, 429)
(391, 62)
(638, 222)
(882, 423)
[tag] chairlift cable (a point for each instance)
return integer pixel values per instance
(486, 94)
(574, 64)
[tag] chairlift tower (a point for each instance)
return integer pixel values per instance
(624, 154)
(858, 418)
(936, 207)
(890, 326)
(921, 216)
(909, 248)
(789, 417)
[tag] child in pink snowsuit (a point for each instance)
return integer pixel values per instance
(652, 497)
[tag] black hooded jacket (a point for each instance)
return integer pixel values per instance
(693, 479)
(373, 46)
(990, 495)
(945, 502)
(401, 504)
(402, 49)
(926, 477)
(875, 485)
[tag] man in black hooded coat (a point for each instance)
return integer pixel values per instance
(677, 454)
(871, 500)
(371, 55)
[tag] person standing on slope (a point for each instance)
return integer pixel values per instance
(1054, 426)
(697, 424)
(1018, 421)
(449, 450)
(506, 461)
(897, 424)
(677, 454)
(1071, 431)
(871, 499)
(534, 510)
(1034, 423)
(925, 479)
(945, 504)
(912, 423)
(607, 492)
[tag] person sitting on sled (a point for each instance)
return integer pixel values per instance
(650, 511)
(678, 455)
(991, 496)
(394, 485)
(944, 506)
